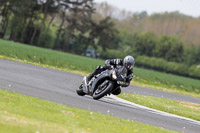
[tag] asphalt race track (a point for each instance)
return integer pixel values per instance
(58, 86)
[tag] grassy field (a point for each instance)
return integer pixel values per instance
(186, 109)
(167, 82)
(23, 114)
(84, 65)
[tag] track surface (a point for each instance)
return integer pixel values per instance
(58, 86)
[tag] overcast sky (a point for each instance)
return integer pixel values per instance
(188, 7)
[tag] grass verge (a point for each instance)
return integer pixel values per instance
(186, 109)
(19, 113)
(82, 65)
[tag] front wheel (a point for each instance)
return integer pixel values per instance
(80, 91)
(102, 91)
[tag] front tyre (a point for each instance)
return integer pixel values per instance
(100, 92)
(117, 91)
(80, 91)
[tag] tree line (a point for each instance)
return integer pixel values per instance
(168, 23)
(65, 25)
(173, 37)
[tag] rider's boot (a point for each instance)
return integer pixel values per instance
(89, 77)
(98, 70)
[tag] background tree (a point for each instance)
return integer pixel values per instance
(4, 16)
(145, 44)
(106, 34)
(169, 48)
(79, 20)
(191, 55)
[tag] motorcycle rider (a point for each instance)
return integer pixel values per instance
(128, 62)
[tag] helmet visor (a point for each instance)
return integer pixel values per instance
(129, 66)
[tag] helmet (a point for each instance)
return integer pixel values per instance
(129, 62)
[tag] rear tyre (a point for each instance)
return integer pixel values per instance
(100, 92)
(80, 91)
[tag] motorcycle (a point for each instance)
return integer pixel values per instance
(105, 83)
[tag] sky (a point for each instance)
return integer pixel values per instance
(188, 7)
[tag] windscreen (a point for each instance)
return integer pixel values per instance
(121, 72)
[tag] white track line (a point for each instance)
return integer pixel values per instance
(133, 105)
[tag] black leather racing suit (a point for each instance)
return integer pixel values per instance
(108, 64)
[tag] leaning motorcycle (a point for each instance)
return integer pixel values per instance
(104, 83)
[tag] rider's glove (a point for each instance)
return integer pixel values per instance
(129, 78)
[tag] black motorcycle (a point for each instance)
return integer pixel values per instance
(105, 83)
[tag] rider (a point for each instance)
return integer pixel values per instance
(128, 62)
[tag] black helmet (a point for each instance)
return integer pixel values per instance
(129, 62)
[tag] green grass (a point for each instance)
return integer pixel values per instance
(23, 114)
(168, 81)
(84, 65)
(47, 56)
(186, 109)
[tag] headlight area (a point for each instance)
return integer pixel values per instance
(114, 76)
(121, 82)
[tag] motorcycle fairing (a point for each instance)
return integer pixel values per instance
(103, 76)
(85, 88)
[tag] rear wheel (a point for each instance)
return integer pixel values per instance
(102, 91)
(80, 91)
